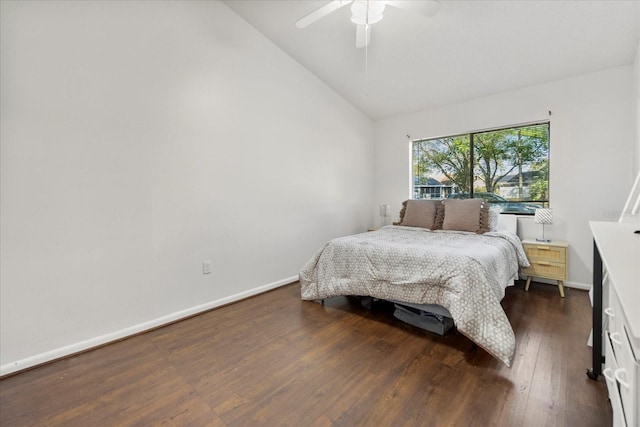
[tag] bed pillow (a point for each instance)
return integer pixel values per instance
(437, 225)
(402, 212)
(466, 215)
(420, 213)
(494, 219)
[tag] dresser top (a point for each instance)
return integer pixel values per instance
(619, 248)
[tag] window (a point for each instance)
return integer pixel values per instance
(509, 167)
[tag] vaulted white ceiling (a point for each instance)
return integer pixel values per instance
(467, 50)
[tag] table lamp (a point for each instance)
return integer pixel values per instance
(384, 213)
(543, 216)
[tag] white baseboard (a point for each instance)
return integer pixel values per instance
(68, 350)
(574, 285)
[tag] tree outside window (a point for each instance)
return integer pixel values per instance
(509, 167)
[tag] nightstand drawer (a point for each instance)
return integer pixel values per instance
(547, 269)
(546, 252)
(548, 260)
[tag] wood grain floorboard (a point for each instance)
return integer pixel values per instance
(274, 360)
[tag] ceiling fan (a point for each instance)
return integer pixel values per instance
(365, 13)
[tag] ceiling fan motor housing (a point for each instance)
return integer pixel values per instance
(366, 11)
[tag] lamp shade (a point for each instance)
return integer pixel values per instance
(543, 216)
(385, 210)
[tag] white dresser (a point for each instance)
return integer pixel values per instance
(617, 317)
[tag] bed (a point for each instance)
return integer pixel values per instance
(463, 266)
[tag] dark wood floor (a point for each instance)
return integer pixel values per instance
(274, 360)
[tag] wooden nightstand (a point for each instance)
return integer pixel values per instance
(548, 260)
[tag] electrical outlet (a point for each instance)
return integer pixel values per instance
(206, 267)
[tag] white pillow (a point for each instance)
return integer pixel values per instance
(494, 219)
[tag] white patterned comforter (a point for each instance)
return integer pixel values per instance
(464, 272)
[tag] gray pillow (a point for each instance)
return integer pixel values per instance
(466, 215)
(420, 213)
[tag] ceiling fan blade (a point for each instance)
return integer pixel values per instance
(363, 35)
(321, 12)
(427, 8)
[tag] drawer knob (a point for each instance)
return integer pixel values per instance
(614, 338)
(607, 374)
(618, 373)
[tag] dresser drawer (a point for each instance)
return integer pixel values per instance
(611, 366)
(546, 252)
(620, 362)
(613, 315)
(546, 269)
(627, 377)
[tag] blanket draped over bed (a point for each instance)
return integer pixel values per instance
(464, 272)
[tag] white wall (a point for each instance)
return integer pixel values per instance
(591, 162)
(636, 74)
(139, 139)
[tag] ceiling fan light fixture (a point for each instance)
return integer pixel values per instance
(367, 11)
